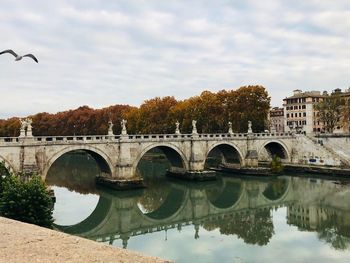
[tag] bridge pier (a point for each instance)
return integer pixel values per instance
(251, 158)
(123, 177)
(28, 162)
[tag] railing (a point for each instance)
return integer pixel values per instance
(8, 139)
(136, 137)
(92, 138)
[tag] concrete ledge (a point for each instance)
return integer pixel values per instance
(317, 169)
(120, 184)
(256, 171)
(21, 242)
(193, 175)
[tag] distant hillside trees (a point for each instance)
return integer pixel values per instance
(212, 111)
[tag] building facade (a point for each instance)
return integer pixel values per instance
(276, 119)
(299, 112)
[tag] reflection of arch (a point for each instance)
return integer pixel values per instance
(175, 156)
(229, 151)
(276, 190)
(92, 221)
(8, 165)
(171, 205)
(275, 147)
(100, 157)
(230, 195)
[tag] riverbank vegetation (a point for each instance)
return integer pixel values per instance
(25, 200)
(212, 111)
(276, 165)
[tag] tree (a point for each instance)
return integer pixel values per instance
(212, 111)
(154, 116)
(4, 172)
(329, 112)
(26, 201)
(345, 115)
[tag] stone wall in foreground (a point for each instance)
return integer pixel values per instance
(21, 242)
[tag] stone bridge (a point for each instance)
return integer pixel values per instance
(119, 155)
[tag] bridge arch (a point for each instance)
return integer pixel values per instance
(275, 147)
(8, 164)
(175, 156)
(228, 150)
(100, 157)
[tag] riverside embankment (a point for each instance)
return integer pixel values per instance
(21, 242)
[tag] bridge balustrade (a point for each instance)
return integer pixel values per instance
(8, 139)
(137, 137)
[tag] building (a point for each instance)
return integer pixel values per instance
(299, 112)
(276, 119)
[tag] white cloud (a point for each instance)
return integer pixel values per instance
(95, 52)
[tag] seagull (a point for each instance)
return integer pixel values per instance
(17, 56)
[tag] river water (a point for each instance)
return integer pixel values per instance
(233, 219)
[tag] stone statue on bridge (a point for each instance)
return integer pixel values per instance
(123, 124)
(29, 127)
(230, 131)
(26, 128)
(194, 128)
(23, 128)
(177, 130)
(110, 128)
(250, 130)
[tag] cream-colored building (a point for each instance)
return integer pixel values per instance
(299, 112)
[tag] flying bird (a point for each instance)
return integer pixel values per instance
(18, 57)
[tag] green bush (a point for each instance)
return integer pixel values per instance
(276, 165)
(26, 201)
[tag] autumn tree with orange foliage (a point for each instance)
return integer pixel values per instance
(212, 111)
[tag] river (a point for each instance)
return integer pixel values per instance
(232, 219)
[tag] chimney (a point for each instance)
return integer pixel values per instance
(296, 92)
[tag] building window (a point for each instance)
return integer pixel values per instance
(303, 107)
(299, 114)
(291, 115)
(287, 115)
(304, 114)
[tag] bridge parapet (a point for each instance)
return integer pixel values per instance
(5, 140)
(138, 137)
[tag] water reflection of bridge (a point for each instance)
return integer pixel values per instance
(223, 205)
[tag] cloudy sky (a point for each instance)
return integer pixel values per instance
(100, 53)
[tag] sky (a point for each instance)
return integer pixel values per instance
(101, 53)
